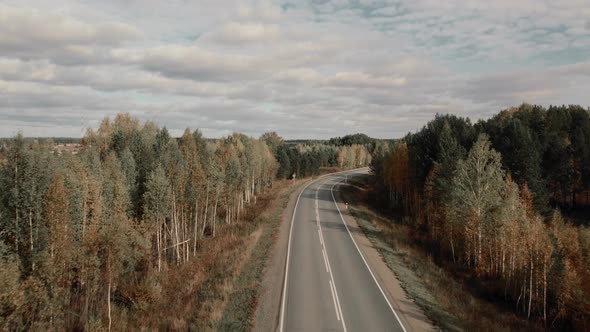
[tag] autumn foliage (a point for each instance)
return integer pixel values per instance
(475, 209)
(89, 238)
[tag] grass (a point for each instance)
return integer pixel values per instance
(441, 293)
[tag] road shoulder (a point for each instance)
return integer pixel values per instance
(267, 312)
(408, 311)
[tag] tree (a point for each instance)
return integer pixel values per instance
(157, 199)
(60, 247)
(273, 141)
(521, 152)
(477, 188)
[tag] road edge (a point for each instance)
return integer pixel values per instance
(267, 311)
(410, 313)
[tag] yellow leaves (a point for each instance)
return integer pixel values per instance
(353, 156)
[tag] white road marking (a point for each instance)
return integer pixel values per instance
(334, 299)
(363, 257)
(329, 268)
(339, 308)
(325, 260)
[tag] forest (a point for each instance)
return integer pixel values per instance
(87, 235)
(504, 202)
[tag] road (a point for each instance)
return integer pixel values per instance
(328, 285)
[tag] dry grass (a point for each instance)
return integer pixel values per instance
(239, 311)
(446, 297)
(227, 287)
(195, 296)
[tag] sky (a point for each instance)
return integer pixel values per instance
(306, 69)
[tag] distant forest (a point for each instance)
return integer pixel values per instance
(55, 140)
(488, 198)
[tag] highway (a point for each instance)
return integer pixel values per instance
(328, 285)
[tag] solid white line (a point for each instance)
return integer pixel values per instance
(360, 253)
(334, 299)
(325, 260)
(284, 294)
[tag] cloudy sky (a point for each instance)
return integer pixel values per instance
(312, 69)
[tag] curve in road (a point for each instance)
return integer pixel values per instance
(328, 284)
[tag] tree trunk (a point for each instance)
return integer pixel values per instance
(240, 206)
(227, 212)
(175, 221)
(83, 217)
(215, 210)
(185, 246)
(573, 198)
(16, 232)
(196, 227)
(452, 246)
(545, 291)
(530, 288)
(165, 242)
(503, 262)
(479, 236)
(109, 290)
(206, 208)
(32, 247)
(159, 245)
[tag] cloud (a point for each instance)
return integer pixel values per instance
(30, 34)
(363, 80)
(298, 75)
(262, 11)
(558, 85)
(305, 69)
(190, 62)
(241, 33)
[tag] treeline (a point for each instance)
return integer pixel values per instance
(84, 235)
(486, 198)
(306, 159)
(55, 140)
(360, 139)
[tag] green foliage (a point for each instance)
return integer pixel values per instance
(360, 139)
(157, 197)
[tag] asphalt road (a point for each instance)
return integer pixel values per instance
(328, 285)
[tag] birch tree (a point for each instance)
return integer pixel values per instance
(477, 189)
